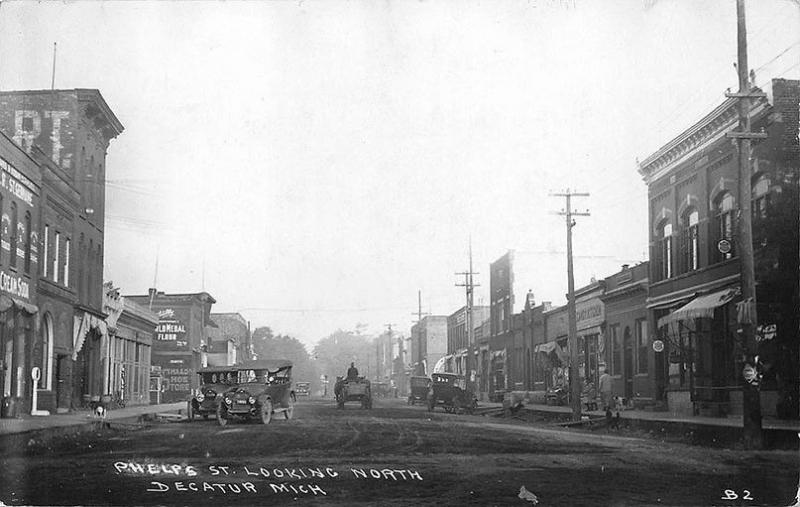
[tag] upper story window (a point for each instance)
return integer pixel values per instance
(724, 224)
(56, 255)
(664, 251)
(46, 251)
(27, 240)
(760, 192)
(14, 235)
(690, 240)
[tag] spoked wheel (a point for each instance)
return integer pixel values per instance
(289, 412)
(430, 405)
(266, 412)
(222, 415)
(205, 416)
(456, 406)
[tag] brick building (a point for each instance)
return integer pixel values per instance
(229, 342)
(72, 130)
(693, 200)
(627, 350)
(20, 206)
(182, 337)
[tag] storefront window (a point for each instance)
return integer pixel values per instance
(616, 350)
(724, 223)
(642, 346)
(27, 241)
(760, 197)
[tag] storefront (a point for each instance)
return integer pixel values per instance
(698, 339)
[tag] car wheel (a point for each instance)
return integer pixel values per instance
(222, 415)
(266, 412)
(430, 406)
(289, 412)
(205, 416)
(190, 411)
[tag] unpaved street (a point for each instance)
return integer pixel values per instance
(391, 455)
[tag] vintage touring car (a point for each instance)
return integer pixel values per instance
(353, 389)
(452, 392)
(214, 380)
(264, 389)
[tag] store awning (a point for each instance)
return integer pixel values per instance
(7, 302)
(700, 307)
(546, 348)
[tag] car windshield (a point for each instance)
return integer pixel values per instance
(222, 377)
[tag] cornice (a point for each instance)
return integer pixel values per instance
(709, 129)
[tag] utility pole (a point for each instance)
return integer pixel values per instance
(469, 288)
(751, 397)
(419, 313)
(575, 386)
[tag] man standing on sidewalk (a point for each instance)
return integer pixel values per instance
(605, 390)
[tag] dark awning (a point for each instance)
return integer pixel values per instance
(699, 307)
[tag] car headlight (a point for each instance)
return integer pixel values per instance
(210, 393)
(228, 401)
(251, 400)
(200, 397)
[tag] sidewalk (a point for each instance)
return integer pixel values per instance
(768, 423)
(75, 420)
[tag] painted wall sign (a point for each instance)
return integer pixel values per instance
(590, 313)
(171, 331)
(14, 285)
(16, 183)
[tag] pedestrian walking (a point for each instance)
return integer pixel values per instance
(606, 389)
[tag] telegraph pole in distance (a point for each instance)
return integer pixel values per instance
(751, 397)
(419, 313)
(575, 387)
(469, 285)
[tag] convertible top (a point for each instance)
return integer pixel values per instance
(261, 364)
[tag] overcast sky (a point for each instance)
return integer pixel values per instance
(323, 161)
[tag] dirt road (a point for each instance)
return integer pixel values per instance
(390, 455)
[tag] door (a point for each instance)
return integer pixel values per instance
(62, 387)
(627, 345)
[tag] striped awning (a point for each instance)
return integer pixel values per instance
(699, 307)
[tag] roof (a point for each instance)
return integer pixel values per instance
(265, 364)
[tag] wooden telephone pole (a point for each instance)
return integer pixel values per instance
(469, 286)
(575, 386)
(751, 398)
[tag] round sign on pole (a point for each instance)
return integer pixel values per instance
(658, 346)
(724, 246)
(36, 373)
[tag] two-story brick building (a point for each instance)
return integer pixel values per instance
(20, 206)
(73, 129)
(695, 270)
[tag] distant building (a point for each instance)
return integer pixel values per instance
(429, 343)
(229, 342)
(182, 337)
(458, 345)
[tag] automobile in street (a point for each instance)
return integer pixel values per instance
(418, 390)
(451, 392)
(302, 388)
(353, 389)
(214, 380)
(264, 389)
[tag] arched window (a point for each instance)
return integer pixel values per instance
(690, 240)
(724, 224)
(664, 251)
(27, 241)
(14, 235)
(760, 191)
(46, 380)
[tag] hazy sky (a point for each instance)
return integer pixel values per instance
(325, 160)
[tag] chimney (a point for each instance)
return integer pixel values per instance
(152, 292)
(625, 266)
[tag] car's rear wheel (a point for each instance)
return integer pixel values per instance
(222, 415)
(266, 412)
(190, 410)
(430, 405)
(289, 412)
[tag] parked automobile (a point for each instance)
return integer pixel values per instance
(419, 387)
(451, 391)
(302, 388)
(353, 389)
(381, 389)
(214, 380)
(264, 389)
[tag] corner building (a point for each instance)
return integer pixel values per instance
(694, 290)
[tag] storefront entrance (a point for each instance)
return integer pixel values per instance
(627, 371)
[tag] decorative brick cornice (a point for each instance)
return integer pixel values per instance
(711, 127)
